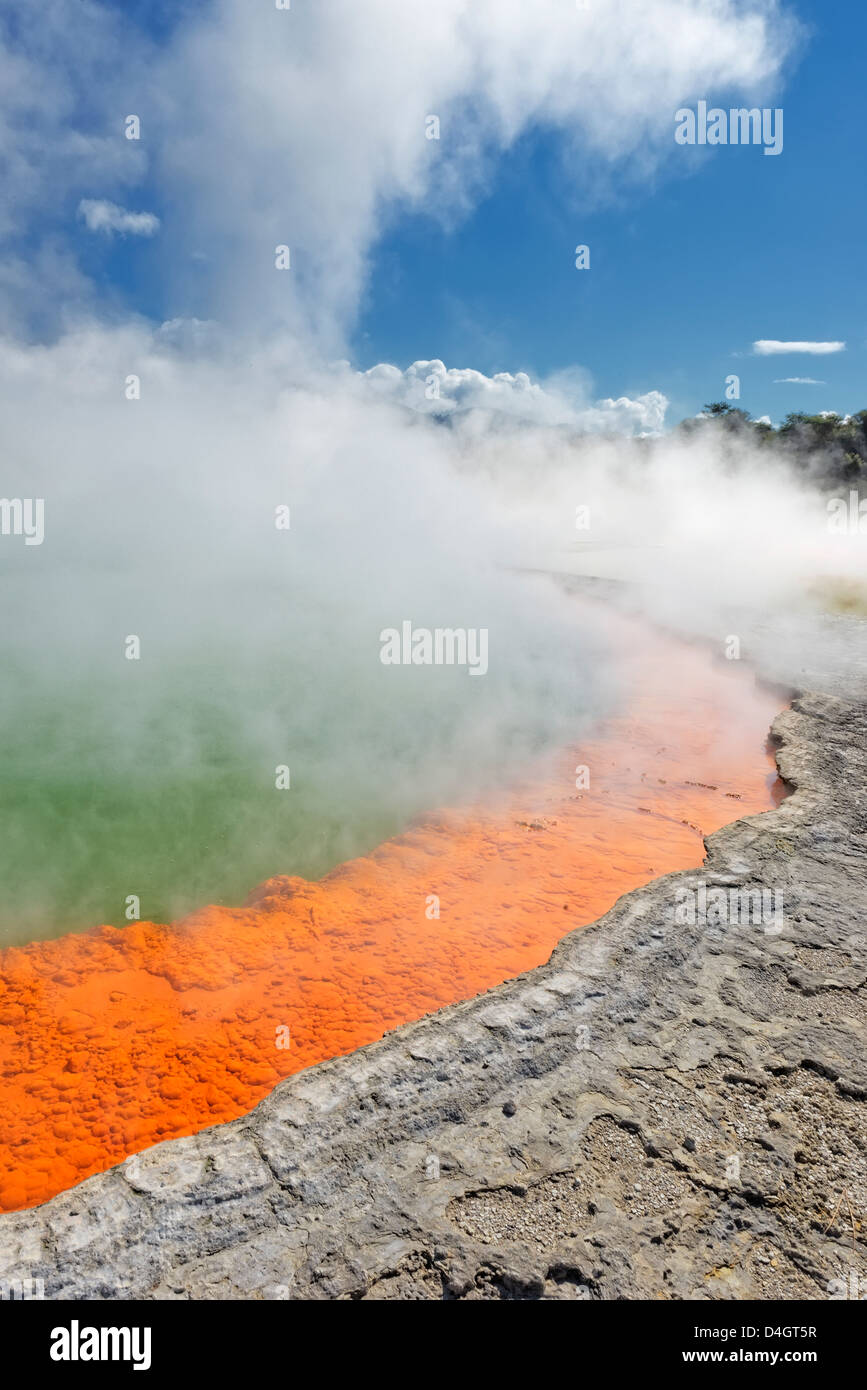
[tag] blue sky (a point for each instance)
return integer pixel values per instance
(684, 274)
(690, 263)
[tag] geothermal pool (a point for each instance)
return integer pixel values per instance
(113, 1039)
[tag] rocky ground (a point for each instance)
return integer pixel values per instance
(664, 1110)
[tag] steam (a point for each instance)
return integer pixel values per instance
(260, 646)
(254, 647)
(168, 645)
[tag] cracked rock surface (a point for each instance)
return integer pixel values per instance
(663, 1110)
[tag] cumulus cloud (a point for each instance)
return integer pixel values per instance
(433, 389)
(643, 415)
(770, 347)
(100, 215)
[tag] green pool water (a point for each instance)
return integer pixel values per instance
(165, 789)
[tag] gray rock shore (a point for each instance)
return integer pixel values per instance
(666, 1109)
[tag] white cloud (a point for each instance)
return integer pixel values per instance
(769, 347)
(643, 415)
(798, 381)
(100, 215)
(432, 389)
(307, 126)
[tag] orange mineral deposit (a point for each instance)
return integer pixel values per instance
(113, 1039)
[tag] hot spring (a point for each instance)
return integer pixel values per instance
(114, 1037)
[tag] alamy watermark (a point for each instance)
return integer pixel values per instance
(737, 126)
(710, 906)
(850, 1285)
(23, 516)
(77, 1343)
(16, 1290)
(848, 518)
(441, 646)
